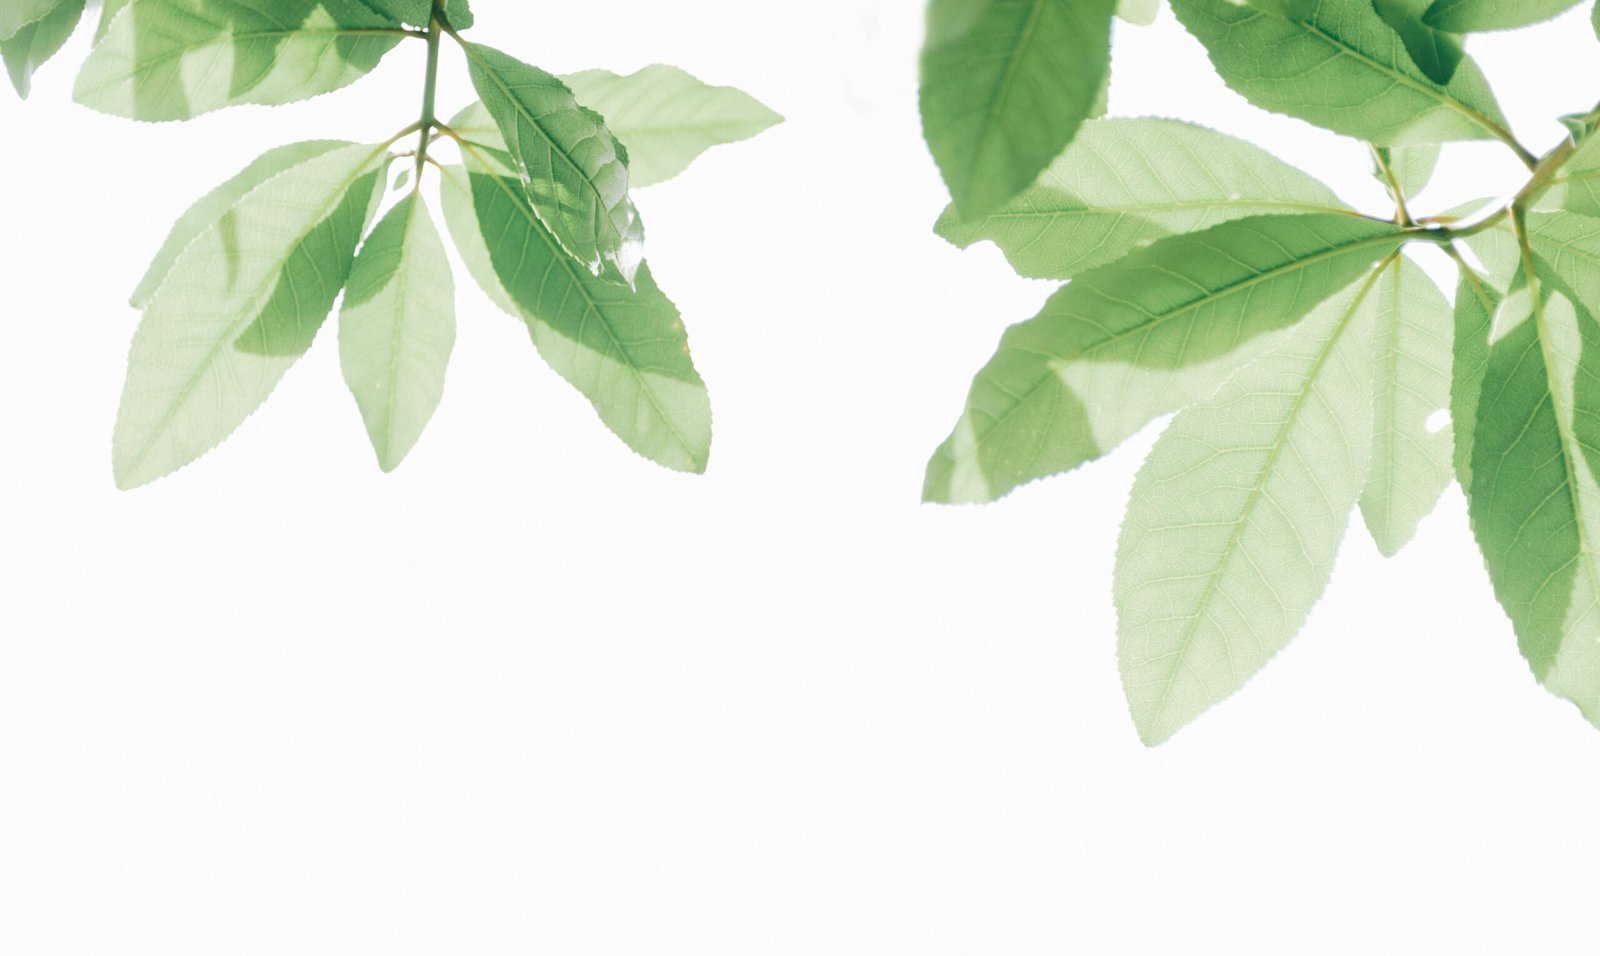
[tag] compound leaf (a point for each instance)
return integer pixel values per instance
(1411, 464)
(573, 169)
(177, 59)
(624, 349)
(397, 327)
(667, 118)
(35, 43)
(1474, 16)
(1237, 515)
(1124, 183)
(1139, 338)
(1005, 86)
(1338, 65)
(240, 306)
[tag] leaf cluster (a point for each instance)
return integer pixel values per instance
(1314, 368)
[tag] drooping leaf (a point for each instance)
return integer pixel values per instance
(1139, 338)
(1410, 166)
(239, 306)
(177, 59)
(1138, 12)
(215, 205)
(1475, 16)
(1341, 67)
(624, 349)
(397, 327)
(1005, 86)
(1534, 501)
(33, 45)
(1411, 465)
(667, 118)
(1476, 304)
(1126, 182)
(16, 14)
(1436, 52)
(573, 169)
(1236, 518)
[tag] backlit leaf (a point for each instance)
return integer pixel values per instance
(34, 44)
(1436, 52)
(1472, 16)
(16, 14)
(1476, 304)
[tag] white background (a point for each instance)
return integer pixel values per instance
(533, 695)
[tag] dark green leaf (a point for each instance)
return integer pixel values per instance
(1434, 51)
(1473, 16)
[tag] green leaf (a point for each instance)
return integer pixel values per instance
(667, 118)
(418, 13)
(1236, 518)
(1138, 12)
(1475, 16)
(1405, 171)
(16, 14)
(1534, 502)
(1005, 86)
(240, 306)
(108, 12)
(1436, 52)
(217, 204)
(1341, 67)
(177, 59)
(1411, 464)
(1476, 304)
(573, 169)
(33, 45)
(397, 328)
(624, 349)
(1140, 338)
(1124, 183)
(458, 13)
(1576, 187)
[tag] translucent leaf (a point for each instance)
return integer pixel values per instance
(667, 118)
(458, 13)
(1139, 338)
(1476, 304)
(240, 306)
(1124, 183)
(1411, 463)
(573, 169)
(1341, 67)
(1005, 86)
(397, 327)
(34, 44)
(1436, 52)
(624, 349)
(212, 207)
(1138, 12)
(177, 59)
(1576, 187)
(16, 14)
(1535, 504)
(1474, 16)
(418, 13)
(1237, 515)
(1411, 166)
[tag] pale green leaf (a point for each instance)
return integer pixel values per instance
(240, 306)
(1124, 183)
(205, 214)
(1535, 504)
(1142, 337)
(35, 43)
(1576, 187)
(1411, 464)
(1005, 86)
(1237, 515)
(16, 14)
(417, 13)
(573, 169)
(667, 118)
(624, 349)
(1476, 304)
(1436, 52)
(1341, 67)
(177, 59)
(1138, 12)
(1474, 16)
(397, 327)
(1405, 170)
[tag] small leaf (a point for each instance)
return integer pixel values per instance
(1139, 338)
(667, 118)
(33, 45)
(397, 328)
(1126, 182)
(1411, 166)
(1411, 465)
(1436, 52)
(240, 306)
(16, 14)
(1005, 86)
(1474, 16)
(458, 13)
(1236, 518)
(1140, 13)
(1476, 304)
(573, 169)
(1341, 67)
(177, 59)
(624, 349)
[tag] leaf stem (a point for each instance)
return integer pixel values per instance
(1402, 215)
(430, 88)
